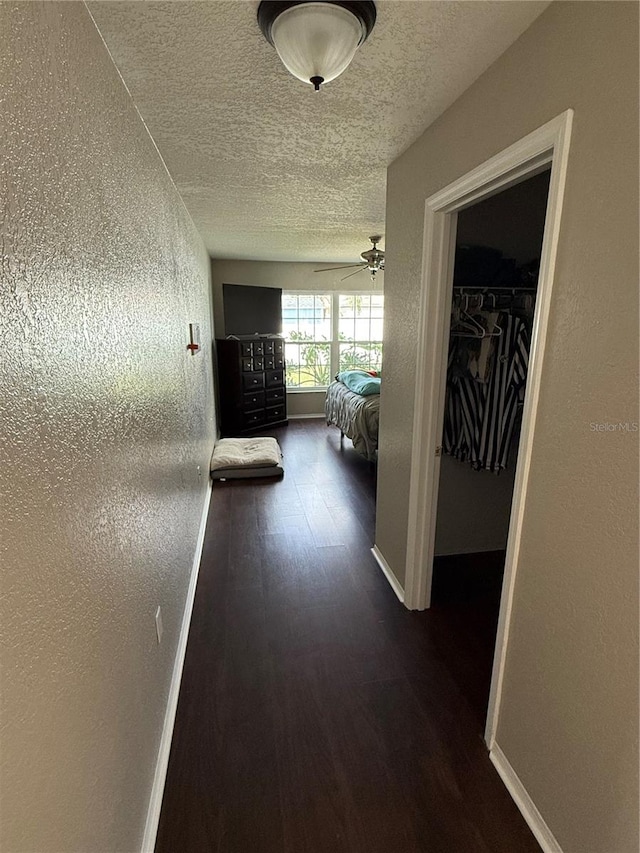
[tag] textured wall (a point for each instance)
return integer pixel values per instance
(570, 703)
(104, 418)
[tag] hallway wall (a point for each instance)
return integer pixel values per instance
(569, 719)
(105, 418)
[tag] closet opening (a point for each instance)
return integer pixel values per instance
(498, 247)
(544, 150)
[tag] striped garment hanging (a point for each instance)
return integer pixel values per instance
(480, 416)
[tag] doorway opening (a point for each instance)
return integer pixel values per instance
(498, 246)
(544, 148)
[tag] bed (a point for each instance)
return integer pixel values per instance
(355, 415)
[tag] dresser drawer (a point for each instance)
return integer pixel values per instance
(252, 419)
(275, 413)
(246, 350)
(274, 362)
(250, 365)
(251, 402)
(275, 395)
(274, 377)
(269, 347)
(258, 348)
(252, 381)
(278, 347)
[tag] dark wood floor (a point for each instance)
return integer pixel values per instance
(317, 714)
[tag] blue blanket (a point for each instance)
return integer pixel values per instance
(360, 382)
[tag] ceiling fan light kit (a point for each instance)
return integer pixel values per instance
(373, 261)
(316, 41)
(374, 258)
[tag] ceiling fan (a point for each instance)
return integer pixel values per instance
(373, 260)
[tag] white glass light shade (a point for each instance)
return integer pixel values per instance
(316, 40)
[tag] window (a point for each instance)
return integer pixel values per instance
(306, 324)
(329, 332)
(360, 330)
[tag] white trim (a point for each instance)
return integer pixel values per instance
(162, 763)
(522, 799)
(316, 416)
(548, 145)
(387, 571)
(437, 266)
(560, 132)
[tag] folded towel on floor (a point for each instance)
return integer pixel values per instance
(246, 457)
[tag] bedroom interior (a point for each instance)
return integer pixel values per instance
(293, 278)
(274, 346)
(189, 666)
(346, 328)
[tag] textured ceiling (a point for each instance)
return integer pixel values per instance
(268, 168)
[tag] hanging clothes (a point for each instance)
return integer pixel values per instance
(481, 407)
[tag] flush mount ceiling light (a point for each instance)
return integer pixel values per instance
(316, 41)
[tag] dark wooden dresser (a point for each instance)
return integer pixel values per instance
(251, 380)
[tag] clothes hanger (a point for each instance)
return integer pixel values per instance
(496, 330)
(465, 326)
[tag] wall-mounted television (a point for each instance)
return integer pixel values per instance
(251, 310)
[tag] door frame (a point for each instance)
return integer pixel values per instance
(544, 147)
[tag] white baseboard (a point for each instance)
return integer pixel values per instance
(162, 763)
(302, 417)
(520, 796)
(388, 573)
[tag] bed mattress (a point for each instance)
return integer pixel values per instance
(356, 416)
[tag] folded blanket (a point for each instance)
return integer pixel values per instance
(231, 453)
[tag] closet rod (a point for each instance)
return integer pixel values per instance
(488, 287)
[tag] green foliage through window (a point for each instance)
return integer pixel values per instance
(308, 361)
(367, 355)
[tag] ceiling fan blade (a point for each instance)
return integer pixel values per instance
(362, 269)
(332, 269)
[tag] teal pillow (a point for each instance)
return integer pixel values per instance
(360, 381)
